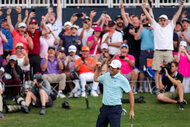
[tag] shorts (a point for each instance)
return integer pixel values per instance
(161, 57)
(171, 95)
(127, 76)
(143, 59)
(48, 104)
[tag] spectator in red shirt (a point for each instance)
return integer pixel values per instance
(19, 36)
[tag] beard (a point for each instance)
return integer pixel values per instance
(120, 25)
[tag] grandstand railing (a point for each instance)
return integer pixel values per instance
(88, 3)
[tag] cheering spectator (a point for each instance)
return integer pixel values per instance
(55, 25)
(113, 39)
(86, 31)
(46, 41)
(7, 47)
(183, 59)
(146, 34)
(127, 64)
(95, 41)
(13, 75)
(185, 34)
(119, 24)
(85, 67)
(51, 68)
(103, 58)
(69, 64)
(73, 39)
(20, 36)
(163, 40)
(22, 59)
(2, 40)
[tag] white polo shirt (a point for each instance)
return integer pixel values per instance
(55, 28)
(116, 37)
(86, 34)
(163, 36)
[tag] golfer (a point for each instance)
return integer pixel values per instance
(113, 86)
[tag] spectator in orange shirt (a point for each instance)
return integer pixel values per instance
(19, 36)
(85, 67)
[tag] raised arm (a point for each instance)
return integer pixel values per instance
(31, 15)
(146, 12)
(59, 10)
(176, 16)
(125, 20)
(26, 17)
(9, 20)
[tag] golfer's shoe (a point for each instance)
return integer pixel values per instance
(43, 111)
(181, 106)
(94, 93)
(83, 94)
(1, 115)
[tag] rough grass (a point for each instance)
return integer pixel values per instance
(150, 114)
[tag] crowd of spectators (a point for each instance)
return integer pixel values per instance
(67, 53)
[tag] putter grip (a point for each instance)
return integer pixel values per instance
(87, 105)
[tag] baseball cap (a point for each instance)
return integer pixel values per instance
(97, 28)
(61, 49)
(104, 46)
(21, 25)
(183, 43)
(124, 45)
(94, 24)
(111, 23)
(115, 64)
(163, 17)
(86, 18)
(67, 24)
(19, 45)
(72, 48)
(118, 17)
(185, 19)
(51, 47)
(75, 26)
(2, 69)
(33, 21)
(85, 48)
(13, 57)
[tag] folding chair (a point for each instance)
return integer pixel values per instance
(150, 74)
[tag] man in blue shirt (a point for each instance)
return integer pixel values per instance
(114, 85)
(7, 47)
(146, 34)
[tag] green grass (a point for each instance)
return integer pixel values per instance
(150, 114)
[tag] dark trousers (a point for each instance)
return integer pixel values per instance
(109, 114)
(35, 63)
(136, 54)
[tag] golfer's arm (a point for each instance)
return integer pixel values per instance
(97, 74)
(131, 97)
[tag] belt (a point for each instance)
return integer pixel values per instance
(147, 51)
(162, 50)
(110, 106)
(30, 54)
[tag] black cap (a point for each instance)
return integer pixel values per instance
(118, 17)
(185, 19)
(38, 76)
(61, 49)
(65, 105)
(111, 23)
(51, 47)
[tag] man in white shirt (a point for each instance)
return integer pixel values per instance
(113, 39)
(55, 24)
(163, 40)
(86, 31)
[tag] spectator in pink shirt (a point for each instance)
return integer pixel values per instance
(95, 41)
(127, 64)
(183, 58)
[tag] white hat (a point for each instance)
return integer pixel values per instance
(67, 24)
(163, 17)
(72, 48)
(104, 46)
(2, 69)
(13, 57)
(115, 64)
(19, 45)
(75, 26)
(183, 43)
(21, 25)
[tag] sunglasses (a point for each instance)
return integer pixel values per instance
(19, 47)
